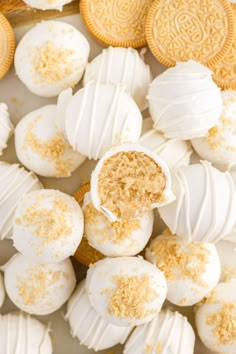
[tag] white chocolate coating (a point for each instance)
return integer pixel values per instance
(219, 146)
(15, 181)
(88, 326)
(168, 333)
(184, 101)
(167, 195)
(38, 289)
(47, 4)
(205, 205)
(42, 148)
(126, 281)
(227, 254)
(174, 152)
(191, 271)
(48, 226)
(122, 238)
(216, 319)
(100, 116)
(21, 333)
(124, 66)
(51, 57)
(6, 127)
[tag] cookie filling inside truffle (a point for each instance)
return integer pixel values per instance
(129, 183)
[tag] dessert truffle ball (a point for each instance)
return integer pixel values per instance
(51, 57)
(227, 253)
(219, 145)
(216, 319)
(88, 326)
(23, 333)
(15, 181)
(42, 148)
(184, 101)
(126, 291)
(48, 226)
(121, 66)
(38, 289)
(168, 332)
(174, 152)
(191, 270)
(128, 181)
(99, 116)
(47, 4)
(204, 208)
(6, 127)
(118, 238)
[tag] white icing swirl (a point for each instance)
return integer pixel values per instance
(6, 127)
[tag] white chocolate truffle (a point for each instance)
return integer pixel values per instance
(2, 290)
(38, 289)
(119, 238)
(48, 226)
(219, 145)
(42, 148)
(184, 101)
(88, 326)
(216, 319)
(169, 332)
(205, 205)
(15, 181)
(227, 254)
(21, 333)
(174, 152)
(51, 57)
(128, 181)
(47, 4)
(191, 270)
(99, 116)
(6, 127)
(126, 291)
(122, 66)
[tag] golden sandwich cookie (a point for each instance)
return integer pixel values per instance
(7, 45)
(121, 24)
(201, 30)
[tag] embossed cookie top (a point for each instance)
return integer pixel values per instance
(7, 45)
(121, 24)
(202, 30)
(224, 73)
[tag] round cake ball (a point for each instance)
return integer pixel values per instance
(48, 226)
(126, 291)
(99, 116)
(92, 330)
(216, 319)
(184, 101)
(6, 127)
(36, 288)
(51, 57)
(191, 270)
(174, 152)
(219, 145)
(15, 181)
(169, 332)
(227, 254)
(205, 205)
(42, 148)
(122, 66)
(47, 4)
(128, 181)
(21, 333)
(118, 238)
